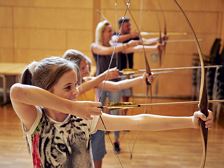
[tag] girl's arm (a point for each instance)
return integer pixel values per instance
(106, 51)
(25, 97)
(130, 47)
(140, 48)
(124, 84)
(94, 82)
(150, 41)
(120, 38)
(149, 122)
(120, 47)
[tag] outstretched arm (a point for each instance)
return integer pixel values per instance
(108, 50)
(143, 122)
(140, 48)
(124, 84)
(120, 38)
(96, 81)
(25, 97)
(150, 41)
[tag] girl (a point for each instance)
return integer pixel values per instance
(56, 126)
(83, 62)
(106, 55)
(101, 81)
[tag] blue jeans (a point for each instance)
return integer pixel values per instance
(98, 145)
(113, 97)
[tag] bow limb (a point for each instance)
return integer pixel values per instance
(100, 95)
(203, 101)
(147, 67)
(164, 38)
(160, 40)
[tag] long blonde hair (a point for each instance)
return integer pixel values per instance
(99, 31)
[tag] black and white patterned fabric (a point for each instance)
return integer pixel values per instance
(61, 144)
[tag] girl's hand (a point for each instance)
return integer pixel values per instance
(86, 109)
(111, 73)
(134, 34)
(160, 47)
(148, 77)
(164, 38)
(199, 115)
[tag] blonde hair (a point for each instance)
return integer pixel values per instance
(99, 31)
(76, 57)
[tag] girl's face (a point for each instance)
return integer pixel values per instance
(107, 34)
(67, 86)
(84, 69)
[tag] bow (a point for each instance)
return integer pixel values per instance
(101, 119)
(147, 67)
(164, 38)
(203, 100)
(131, 105)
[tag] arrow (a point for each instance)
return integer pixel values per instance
(168, 34)
(130, 105)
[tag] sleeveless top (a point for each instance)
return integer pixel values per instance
(125, 60)
(103, 62)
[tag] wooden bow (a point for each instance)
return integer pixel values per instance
(203, 100)
(147, 67)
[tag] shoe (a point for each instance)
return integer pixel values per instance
(117, 148)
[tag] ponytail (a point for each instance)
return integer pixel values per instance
(26, 77)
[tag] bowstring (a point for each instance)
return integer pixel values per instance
(203, 101)
(106, 77)
(148, 69)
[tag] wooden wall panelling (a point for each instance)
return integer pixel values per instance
(6, 55)
(222, 20)
(40, 39)
(48, 3)
(6, 17)
(54, 18)
(204, 18)
(28, 55)
(6, 35)
(54, 34)
(35, 29)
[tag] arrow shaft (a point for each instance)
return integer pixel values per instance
(183, 102)
(157, 33)
(182, 40)
(182, 68)
(129, 106)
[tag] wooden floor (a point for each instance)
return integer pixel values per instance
(167, 149)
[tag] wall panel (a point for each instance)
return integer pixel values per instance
(80, 40)
(6, 55)
(40, 39)
(5, 16)
(34, 29)
(53, 18)
(6, 35)
(48, 3)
